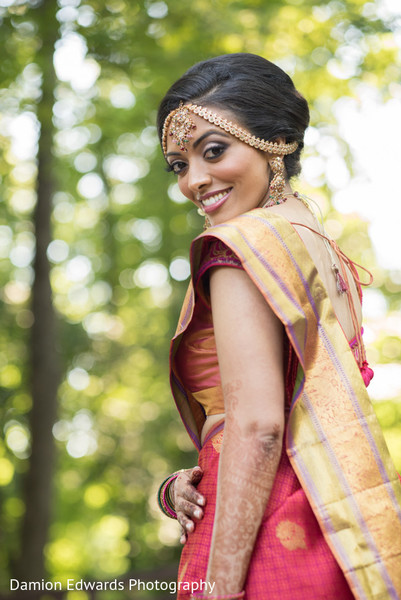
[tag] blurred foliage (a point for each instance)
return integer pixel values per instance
(121, 234)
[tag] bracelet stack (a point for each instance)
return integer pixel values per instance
(164, 499)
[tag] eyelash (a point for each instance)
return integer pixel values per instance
(220, 147)
(170, 167)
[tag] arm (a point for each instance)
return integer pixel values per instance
(249, 341)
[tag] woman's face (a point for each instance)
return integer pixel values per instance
(219, 173)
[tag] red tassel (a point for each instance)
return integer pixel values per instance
(341, 285)
(367, 373)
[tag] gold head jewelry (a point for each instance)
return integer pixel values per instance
(202, 213)
(180, 124)
(277, 184)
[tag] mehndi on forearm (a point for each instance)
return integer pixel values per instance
(248, 465)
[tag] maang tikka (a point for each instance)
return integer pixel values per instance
(180, 123)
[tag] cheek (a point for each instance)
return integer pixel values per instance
(186, 191)
(250, 169)
(261, 174)
(183, 187)
(232, 170)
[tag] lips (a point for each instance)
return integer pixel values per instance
(212, 201)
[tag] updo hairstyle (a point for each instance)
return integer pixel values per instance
(261, 96)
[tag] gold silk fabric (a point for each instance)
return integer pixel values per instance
(196, 362)
(334, 441)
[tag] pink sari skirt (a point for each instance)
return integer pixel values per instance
(291, 559)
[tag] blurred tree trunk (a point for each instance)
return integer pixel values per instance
(44, 359)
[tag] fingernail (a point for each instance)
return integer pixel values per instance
(189, 526)
(198, 514)
(201, 501)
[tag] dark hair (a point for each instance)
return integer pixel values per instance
(261, 96)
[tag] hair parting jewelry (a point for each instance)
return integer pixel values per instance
(180, 124)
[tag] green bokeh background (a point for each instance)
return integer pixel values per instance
(121, 235)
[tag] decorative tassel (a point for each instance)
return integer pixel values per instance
(367, 373)
(341, 284)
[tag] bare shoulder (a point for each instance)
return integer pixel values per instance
(249, 342)
(244, 322)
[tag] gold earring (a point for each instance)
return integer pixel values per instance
(202, 213)
(277, 184)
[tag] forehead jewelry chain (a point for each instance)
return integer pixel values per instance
(180, 124)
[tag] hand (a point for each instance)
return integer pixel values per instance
(187, 500)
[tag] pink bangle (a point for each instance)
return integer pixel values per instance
(238, 596)
(164, 499)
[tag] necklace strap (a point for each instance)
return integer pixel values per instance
(345, 261)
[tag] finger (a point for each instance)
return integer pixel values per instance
(196, 475)
(198, 498)
(201, 500)
(191, 494)
(186, 523)
(189, 509)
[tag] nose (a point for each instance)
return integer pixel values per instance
(198, 177)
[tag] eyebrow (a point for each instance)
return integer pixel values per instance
(201, 138)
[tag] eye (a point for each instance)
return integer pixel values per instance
(214, 151)
(176, 167)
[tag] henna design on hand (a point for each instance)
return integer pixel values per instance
(187, 500)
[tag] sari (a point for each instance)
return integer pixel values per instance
(332, 527)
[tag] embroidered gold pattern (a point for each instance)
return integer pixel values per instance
(217, 441)
(291, 535)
